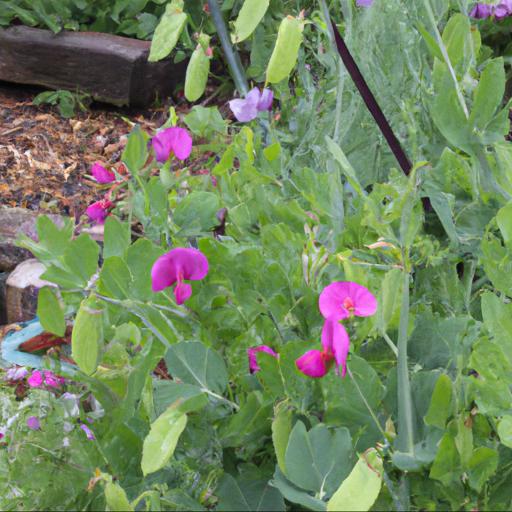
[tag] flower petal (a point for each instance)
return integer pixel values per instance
(333, 296)
(181, 143)
(182, 292)
(312, 364)
(252, 355)
(102, 175)
(191, 263)
(33, 423)
(265, 101)
(35, 380)
(88, 432)
(243, 111)
(335, 341)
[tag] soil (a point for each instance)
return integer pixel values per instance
(45, 159)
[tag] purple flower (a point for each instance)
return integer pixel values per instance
(37, 379)
(503, 9)
(33, 423)
(364, 3)
(335, 344)
(343, 299)
(172, 140)
(247, 109)
(88, 432)
(16, 373)
(98, 211)
(253, 352)
(176, 266)
(482, 11)
(102, 175)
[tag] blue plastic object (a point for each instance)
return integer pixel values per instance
(10, 344)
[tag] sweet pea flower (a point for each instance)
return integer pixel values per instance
(35, 380)
(33, 423)
(364, 3)
(16, 373)
(88, 432)
(102, 175)
(252, 353)
(335, 345)
(176, 266)
(343, 299)
(98, 211)
(503, 9)
(247, 109)
(172, 140)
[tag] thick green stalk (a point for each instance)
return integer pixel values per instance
(232, 58)
(405, 437)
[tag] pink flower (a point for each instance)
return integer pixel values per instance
(35, 380)
(481, 11)
(98, 211)
(102, 175)
(503, 9)
(335, 344)
(16, 373)
(176, 266)
(253, 352)
(247, 109)
(364, 3)
(88, 432)
(343, 299)
(172, 140)
(33, 423)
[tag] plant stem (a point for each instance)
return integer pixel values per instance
(370, 410)
(405, 436)
(232, 57)
(389, 341)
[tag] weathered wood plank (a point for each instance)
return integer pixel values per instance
(111, 68)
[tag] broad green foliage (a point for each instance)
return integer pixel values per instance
(198, 69)
(281, 208)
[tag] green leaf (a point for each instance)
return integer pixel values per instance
(81, 258)
(168, 31)
(446, 466)
(50, 312)
(488, 94)
(250, 423)
(286, 49)
(362, 487)
(205, 121)
(189, 397)
(319, 459)
(160, 443)
(87, 336)
(482, 466)
(281, 429)
(116, 498)
(250, 15)
(198, 68)
(440, 407)
(247, 495)
(389, 299)
(294, 494)
(505, 430)
(115, 278)
(140, 258)
(193, 363)
(116, 236)
(135, 153)
(197, 209)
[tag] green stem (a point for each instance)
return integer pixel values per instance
(367, 405)
(232, 57)
(467, 279)
(405, 437)
(390, 343)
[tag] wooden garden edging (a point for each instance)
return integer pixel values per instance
(111, 68)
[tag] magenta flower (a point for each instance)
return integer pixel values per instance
(247, 109)
(252, 355)
(335, 345)
(16, 373)
(88, 432)
(35, 380)
(343, 299)
(33, 423)
(364, 3)
(98, 211)
(176, 266)
(102, 175)
(172, 140)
